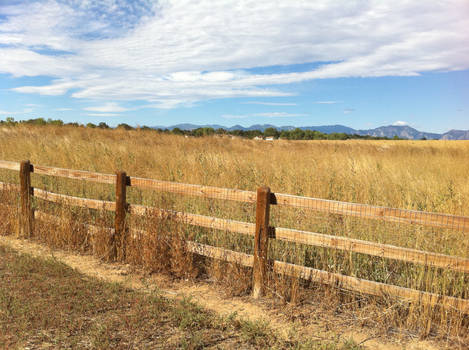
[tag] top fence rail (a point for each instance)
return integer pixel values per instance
(459, 223)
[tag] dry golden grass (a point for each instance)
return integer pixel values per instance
(422, 175)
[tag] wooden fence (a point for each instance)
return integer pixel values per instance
(261, 230)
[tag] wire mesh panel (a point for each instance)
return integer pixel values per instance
(411, 249)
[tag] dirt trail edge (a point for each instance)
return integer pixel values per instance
(206, 295)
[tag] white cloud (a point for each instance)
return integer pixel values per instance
(103, 114)
(327, 102)
(106, 108)
(270, 103)
(176, 53)
(64, 109)
(348, 110)
(400, 123)
(24, 111)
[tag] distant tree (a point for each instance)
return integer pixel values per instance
(103, 125)
(178, 131)
(91, 125)
(36, 121)
(202, 132)
(271, 132)
(124, 126)
(74, 124)
(57, 122)
(10, 121)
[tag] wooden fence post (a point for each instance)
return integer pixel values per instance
(25, 223)
(261, 242)
(118, 239)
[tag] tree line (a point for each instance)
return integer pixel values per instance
(294, 134)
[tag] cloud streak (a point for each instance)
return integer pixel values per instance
(270, 103)
(107, 108)
(327, 102)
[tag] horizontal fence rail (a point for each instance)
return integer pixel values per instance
(261, 232)
(195, 190)
(75, 174)
(375, 212)
(375, 249)
(195, 219)
(76, 201)
(9, 165)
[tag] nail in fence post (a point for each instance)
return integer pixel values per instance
(26, 215)
(261, 241)
(118, 249)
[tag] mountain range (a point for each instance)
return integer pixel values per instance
(401, 131)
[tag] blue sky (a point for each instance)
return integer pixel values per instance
(358, 63)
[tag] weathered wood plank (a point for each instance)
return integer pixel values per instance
(371, 248)
(195, 190)
(25, 226)
(117, 249)
(261, 238)
(195, 219)
(75, 174)
(460, 223)
(76, 201)
(9, 165)
(220, 253)
(370, 287)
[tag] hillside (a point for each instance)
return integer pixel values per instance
(389, 131)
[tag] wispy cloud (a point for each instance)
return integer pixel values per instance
(123, 52)
(103, 114)
(270, 103)
(327, 102)
(106, 108)
(24, 111)
(348, 110)
(400, 123)
(64, 109)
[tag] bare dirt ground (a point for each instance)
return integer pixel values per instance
(209, 297)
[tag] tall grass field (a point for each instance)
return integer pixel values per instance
(420, 175)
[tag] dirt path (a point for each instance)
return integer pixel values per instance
(209, 297)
